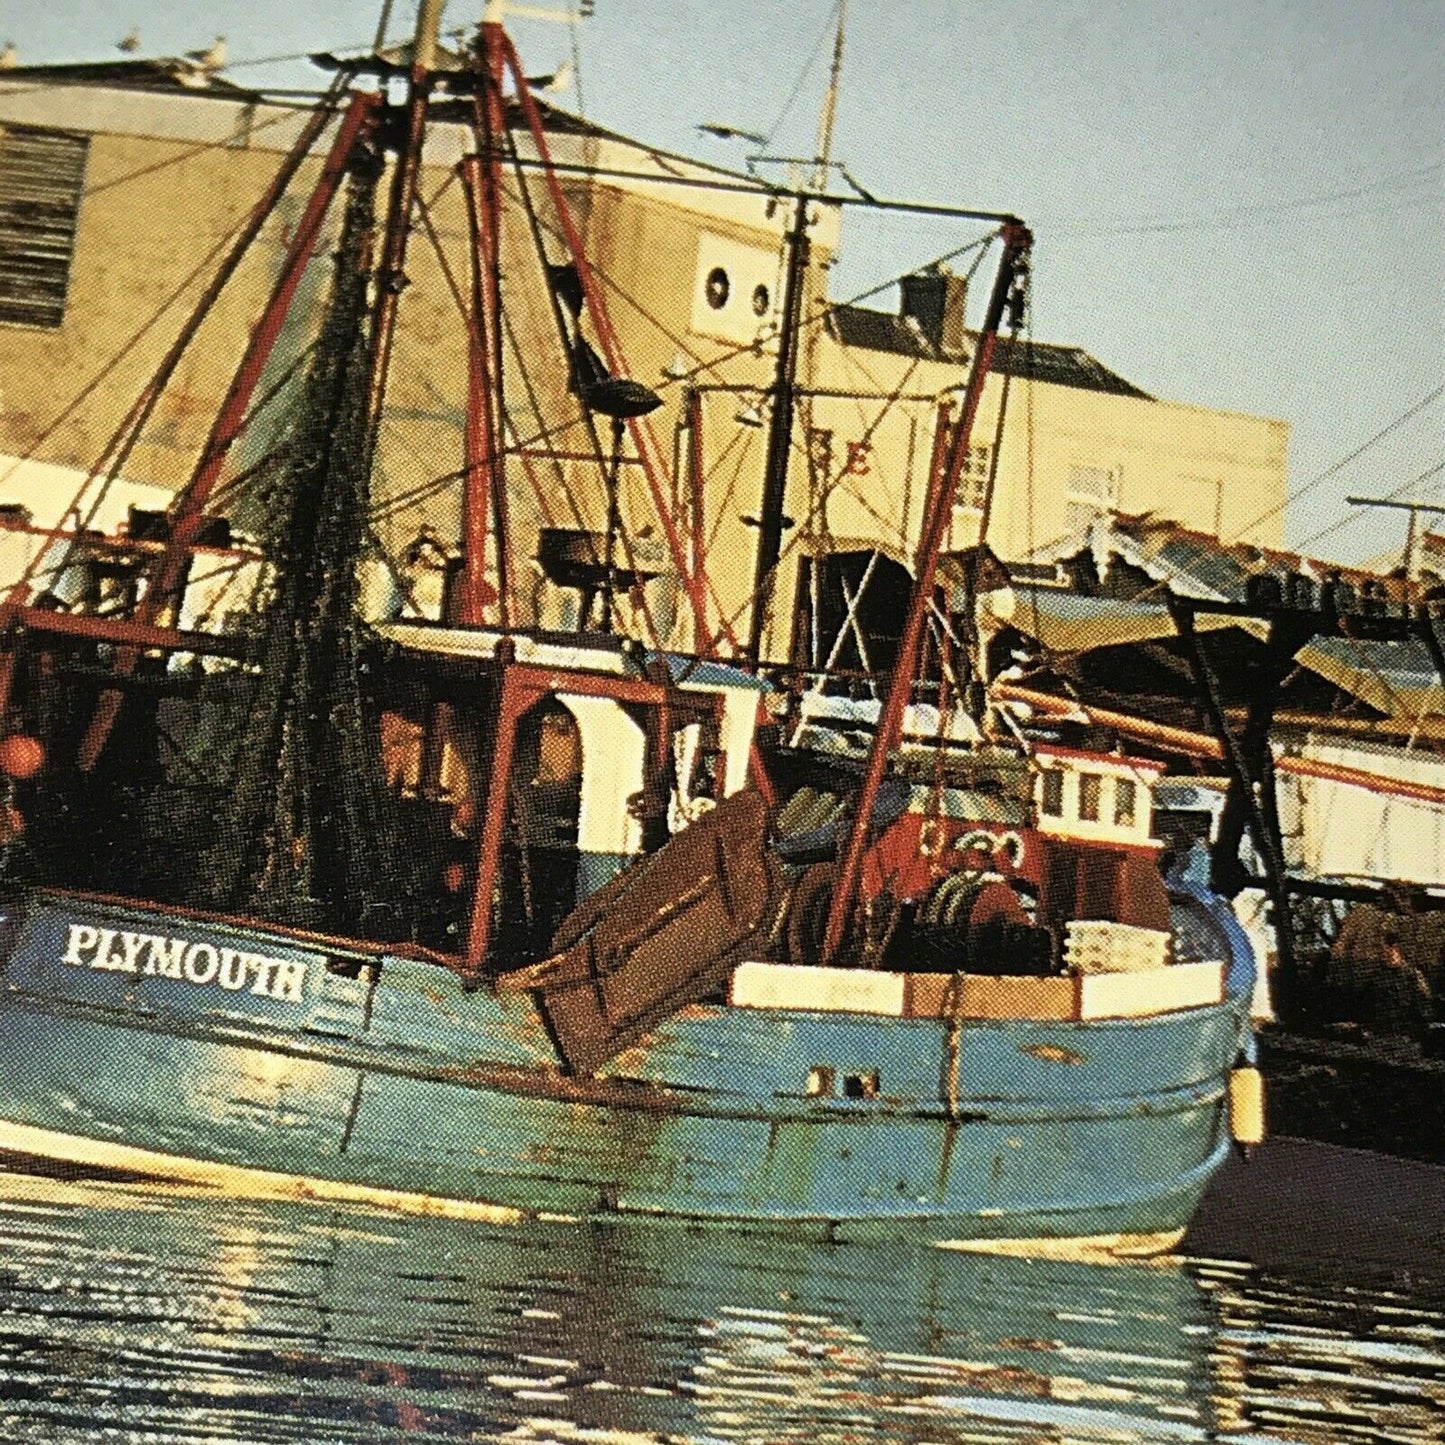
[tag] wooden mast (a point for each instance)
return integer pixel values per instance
(771, 520)
(484, 492)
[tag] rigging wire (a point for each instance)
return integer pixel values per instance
(805, 529)
(588, 417)
(808, 64)
(191, 152)
(1230, 217)
(111, 463)
(130, 344)
(820, 316)
(464, 311)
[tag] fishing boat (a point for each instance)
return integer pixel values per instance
(446, 913)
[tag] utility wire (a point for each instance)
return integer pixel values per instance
(1228, 216)
(803, 74)
(1358, 514)
(1343, 462)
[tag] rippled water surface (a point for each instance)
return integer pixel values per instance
(132, 1317)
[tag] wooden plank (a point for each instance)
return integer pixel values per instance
(1150, 991)
(978, 996)
(815, 988)
(1020, 998)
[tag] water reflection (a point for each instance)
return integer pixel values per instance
(184, 1320)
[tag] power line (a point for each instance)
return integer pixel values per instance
(1228, 217)
(1343, 462)
(1388, 497)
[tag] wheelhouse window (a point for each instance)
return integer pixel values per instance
(42, 179)
(1051, 793)
(1125, 797)
(1090, 787)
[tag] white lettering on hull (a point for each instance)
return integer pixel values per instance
(202, 964)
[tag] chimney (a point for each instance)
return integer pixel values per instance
(935, 299)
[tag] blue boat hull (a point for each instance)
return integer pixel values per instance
(399, 1082)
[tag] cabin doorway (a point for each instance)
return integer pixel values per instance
(538, 864)
(850, 609)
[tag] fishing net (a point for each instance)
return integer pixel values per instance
(303, 837)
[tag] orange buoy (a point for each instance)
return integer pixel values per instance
(21, 756)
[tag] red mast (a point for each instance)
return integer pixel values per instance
(936, 510)
(484, 493)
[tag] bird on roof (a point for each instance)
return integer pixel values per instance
(131, 43)
(555, 83)
(213, 58)
(731, 132)
(9, 57)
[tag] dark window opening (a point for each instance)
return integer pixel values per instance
(1125, 795)
(42, 178)
(1052, 799)
(717, 288)
(761, 300)
(862, 1085)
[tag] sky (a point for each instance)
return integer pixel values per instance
(1236, 203)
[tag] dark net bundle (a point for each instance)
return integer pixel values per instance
(303, 837)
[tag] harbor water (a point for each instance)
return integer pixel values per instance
(137, 1317)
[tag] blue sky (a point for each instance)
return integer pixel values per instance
(1237, 202)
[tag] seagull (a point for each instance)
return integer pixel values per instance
(9, 57)
(555, 83)
(731, 132)
(212, 59)
(131, 43)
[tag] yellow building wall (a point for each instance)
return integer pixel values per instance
(153, 210)
(156, 205)
(1222, 473)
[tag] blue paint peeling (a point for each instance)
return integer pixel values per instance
(389, 1073)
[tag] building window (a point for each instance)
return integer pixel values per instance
(1091, 493)
(42, 177)
(820, 453)
(717, 288)
(973, 477)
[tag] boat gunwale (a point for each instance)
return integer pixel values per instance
(639, 1094)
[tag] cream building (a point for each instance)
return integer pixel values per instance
(122, 183)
